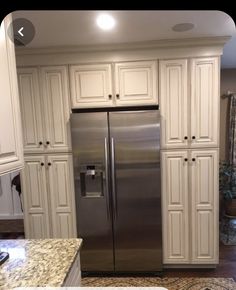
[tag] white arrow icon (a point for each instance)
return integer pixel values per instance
(19, 31)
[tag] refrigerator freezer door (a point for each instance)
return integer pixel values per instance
(91, 162)
(135, 166)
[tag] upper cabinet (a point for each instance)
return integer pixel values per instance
(189, 105)
(91, 85)
(132, 83)
(11, 149)
(44, 98)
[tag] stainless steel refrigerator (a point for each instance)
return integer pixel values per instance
(116, 158)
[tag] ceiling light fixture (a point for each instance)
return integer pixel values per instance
(181, 27)
(105, 21)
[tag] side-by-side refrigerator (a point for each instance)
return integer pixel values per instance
(116, 158)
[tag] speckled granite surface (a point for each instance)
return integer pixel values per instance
(37, 263)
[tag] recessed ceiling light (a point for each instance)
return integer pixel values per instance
(181, 27)
(105, 21)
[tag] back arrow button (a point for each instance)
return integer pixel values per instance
(19, 31)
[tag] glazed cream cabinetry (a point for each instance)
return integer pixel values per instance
(47, 179)
(44, 97)
(118, 84)
(189, 102)
(189, 206)
(11, 149)
(48, 191)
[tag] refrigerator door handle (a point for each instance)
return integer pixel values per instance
(106, 179)
(113, 176)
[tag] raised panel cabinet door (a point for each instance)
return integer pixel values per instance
(56, 108)
(174, 103)
(204, 207)
(175, 220)
(35, 199)
(31, 110)
(11, 147)
(62, 199)
(205, 102)
(136, 83)
(91, 85)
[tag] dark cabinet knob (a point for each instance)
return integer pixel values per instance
(117, 96)
(185, 137)
(193, 159)
(193, 137)
(110, 97)
(42, 164)
(40, 142)
(49, 163)
(47, 142)
(185, 159)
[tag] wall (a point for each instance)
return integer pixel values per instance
(228, 82)
(10, 207)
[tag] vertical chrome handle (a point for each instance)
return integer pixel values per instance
(106, 179)
(113, 175)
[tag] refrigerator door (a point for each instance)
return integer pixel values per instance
(136, 190)
(91, 163)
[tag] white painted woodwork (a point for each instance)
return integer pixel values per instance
(55, 96)
(91, 85)
(136, 83)
(205, 102)
(35, 202)
(204, 206)
(31, 110)
(11, 149)
(73, 278)
(48, 191)
(61, 191)
(173, 103)
(175, 222)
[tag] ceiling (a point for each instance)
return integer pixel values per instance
(76, 28)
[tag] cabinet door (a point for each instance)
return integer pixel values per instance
(31, 111)
(34, 193)
(91, 85)
(173, 103)
(205, 102)
(204, 209)
(61, 184)
(56, 108)
(136, 83)
(11, 147)
(175, 220)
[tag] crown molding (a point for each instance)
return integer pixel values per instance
(163, 43)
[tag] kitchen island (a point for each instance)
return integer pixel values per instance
(40, 263)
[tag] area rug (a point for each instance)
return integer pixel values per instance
(169, 283)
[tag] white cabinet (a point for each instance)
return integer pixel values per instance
(91, 85)
(205, 102)
(135, 83)
(48, 192)
(204, 206)
(175, 206)
(73, 278)
(11, 149)
(190, 206)
(189, 105)
(35, 199)
(174, 103)
(44, 96)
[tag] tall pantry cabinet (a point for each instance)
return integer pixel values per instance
(189, 102)
(47, 178)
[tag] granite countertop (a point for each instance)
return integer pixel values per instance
(37, 263)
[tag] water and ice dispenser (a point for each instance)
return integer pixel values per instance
(91, 180)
